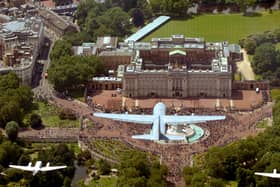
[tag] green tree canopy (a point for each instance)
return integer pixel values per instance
(9, 81)
(72, 71)
(137, 17)
(175, 8)
(15, 100)
(244, 4)
(104, 168)
(35, 121)
(12, 129)
(61, 48)
(136, 170)
(265, 61)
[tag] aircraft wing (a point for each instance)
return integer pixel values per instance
(190, 119)
(143, 137)
(50, 168)
(133, 118)
(272, 175)
(25, 168)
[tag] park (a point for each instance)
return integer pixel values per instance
(219, 27)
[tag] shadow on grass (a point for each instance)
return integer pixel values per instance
(252, 14)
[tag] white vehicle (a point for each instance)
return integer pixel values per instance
(159, 119)
(38, 167)
(272, 175)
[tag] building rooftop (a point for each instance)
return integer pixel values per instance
(29, 27)
(107, 79)
(54, 18)
(147, 29)
(117, 53)
(107, 42)
(14, 26)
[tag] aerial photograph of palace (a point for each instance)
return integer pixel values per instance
(140, 93)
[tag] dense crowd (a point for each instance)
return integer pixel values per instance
(178, 154)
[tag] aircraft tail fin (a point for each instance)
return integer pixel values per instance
(154, 134)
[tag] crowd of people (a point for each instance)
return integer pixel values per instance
(178, 154)
(51, 134)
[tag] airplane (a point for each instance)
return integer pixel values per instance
(272, 175)
(38, 167)
(159, 119)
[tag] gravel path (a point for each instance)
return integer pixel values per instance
(245, 67)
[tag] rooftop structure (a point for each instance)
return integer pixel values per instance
(55, 24)
(147, 29)
(20, 42)
(86, 49)
(106, 43)
(179, 66)
(107, 49)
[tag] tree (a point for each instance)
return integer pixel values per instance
(198, 179)
(245, 177)
(78, 38)
(9, 111)
(277, 35)
(158, 173)
(250, 45)
(3, 156)
(176, 8)
(67, 182)
(217, 182)
(12, 129)
(24, 159)
(137, 17)
(264, 59)
(188, 173)
(117, 20)
(60, 49)
(35, 121)
(244, 4)
(13, 153)
(22, 95)
(104, 167)
(73, 71)
(156, 5)
(9, 81)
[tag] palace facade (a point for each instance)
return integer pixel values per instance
(180, 67)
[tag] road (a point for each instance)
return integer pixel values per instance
(245, 68)
(44, 89)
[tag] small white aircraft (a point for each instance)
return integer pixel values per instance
(38, 167)
(272, 175)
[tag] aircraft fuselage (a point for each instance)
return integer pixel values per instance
(159, 126)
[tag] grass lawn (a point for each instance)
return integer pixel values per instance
(237, 76)
(220, 27)
(114, 148)
(49, 114)
(262, 124)
(111, 148)
(232, 184)
(275, 93)
(278, 46)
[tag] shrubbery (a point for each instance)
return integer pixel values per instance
(67, 114)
